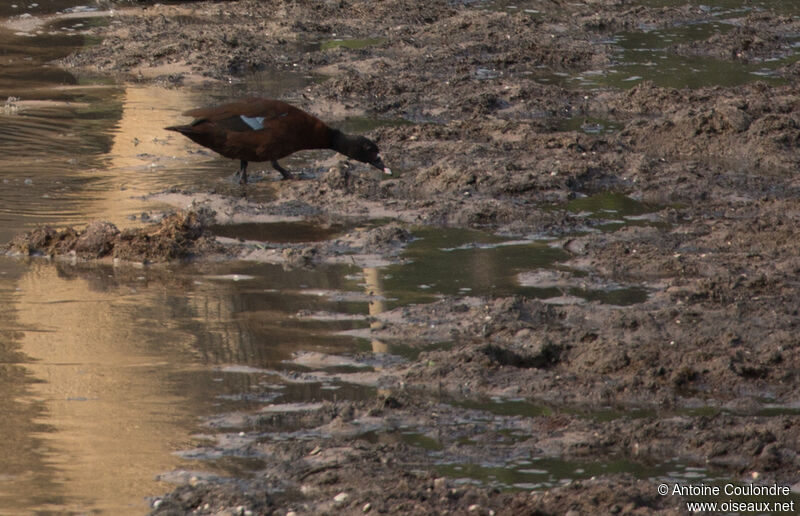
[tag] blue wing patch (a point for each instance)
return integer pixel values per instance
(256, 122)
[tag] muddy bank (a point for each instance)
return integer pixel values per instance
(324, 482)
(478, 112)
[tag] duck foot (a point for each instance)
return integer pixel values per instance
(305, 175)
(284, 173)
(242, 173)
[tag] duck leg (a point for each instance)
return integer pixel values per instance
(242, 172)
(285, 173)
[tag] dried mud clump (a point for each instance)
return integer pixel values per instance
(177, 236)
(386, 238)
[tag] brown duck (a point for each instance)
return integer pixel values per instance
(267, 130)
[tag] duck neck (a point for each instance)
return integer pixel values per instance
(343, 143)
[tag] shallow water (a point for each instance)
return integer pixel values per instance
(107, 370)
(465, 262)
(547, 473)
(100, 404)
(649, 53)
(278, 232)
(109, 375)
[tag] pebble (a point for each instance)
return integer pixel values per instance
(341, 497)
(367, 507)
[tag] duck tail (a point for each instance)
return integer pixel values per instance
(183, 129)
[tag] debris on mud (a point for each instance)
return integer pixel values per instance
(176, 237)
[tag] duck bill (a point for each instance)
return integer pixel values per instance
(378, 163)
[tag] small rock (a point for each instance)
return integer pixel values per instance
(367, 507)
(341, 497)
(474, 508)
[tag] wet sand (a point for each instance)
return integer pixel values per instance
(473, 105)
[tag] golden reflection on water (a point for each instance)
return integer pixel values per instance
(110, 370)
(377, 305)
(139, 140)
(143, 157)
(102, 384)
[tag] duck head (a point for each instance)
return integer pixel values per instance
(359, 148)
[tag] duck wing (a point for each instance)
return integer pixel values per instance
(243, 115)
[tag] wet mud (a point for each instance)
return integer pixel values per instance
(470, 101)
